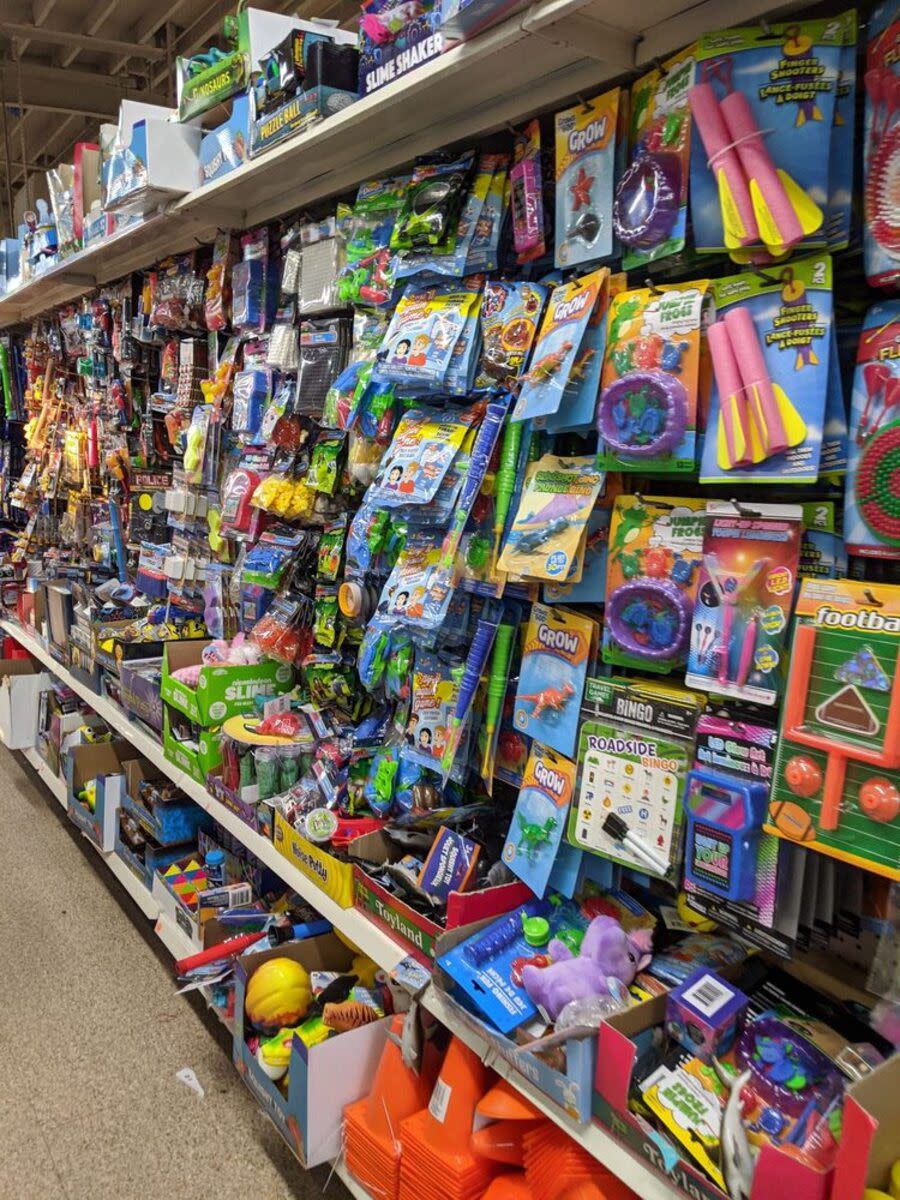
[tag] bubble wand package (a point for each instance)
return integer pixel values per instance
(585, 177)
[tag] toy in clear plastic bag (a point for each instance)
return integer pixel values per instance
(218, 283)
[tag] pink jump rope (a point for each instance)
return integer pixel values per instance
(753, 193)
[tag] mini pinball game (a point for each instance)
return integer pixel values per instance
(837, 772)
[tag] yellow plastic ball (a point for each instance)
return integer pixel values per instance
(278, 994)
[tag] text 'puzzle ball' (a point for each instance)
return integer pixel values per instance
(879, 799)
(278, 994)
(803, 775)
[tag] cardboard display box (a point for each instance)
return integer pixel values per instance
(153, 858)
(140, 690)
(223, 690)
(197, 757)
(332, 874)
(169, 822)
(406, 924)
(103, 763)
(870, 1137)
(323, 1079)
(21, 683)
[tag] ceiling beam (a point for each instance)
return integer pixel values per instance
(55, 90)
(40, 11)
(83, 41)
(92, 23)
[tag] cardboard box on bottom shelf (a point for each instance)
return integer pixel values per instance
(565, 1076)
(103, 765)
(870, 1134)
(224, 689)
(779, 1172)
(21, 684)
(332, 874)
(151, 857)
(183, 903)
(197, 755)
(322, 1079)
(168, 822)
(406, 924)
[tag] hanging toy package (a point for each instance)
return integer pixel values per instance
(527, 195)
(881, 148)
(647, 414)
(432, 202)
(763, 104)
(509, 320)
(650, 208)
(586, 148)
(423, 333)
(871, 504)
(770, 347)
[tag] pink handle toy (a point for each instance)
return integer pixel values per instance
(779, 224)
(748, 645)
(738, 217)
(757, 384)
(732, 401)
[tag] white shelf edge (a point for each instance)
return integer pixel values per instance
(356, 926)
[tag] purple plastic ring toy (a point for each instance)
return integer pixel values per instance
(643, 414)
(650, 618)
(647, 201)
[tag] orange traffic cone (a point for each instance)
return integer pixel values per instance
(504, 1103)
(512, 1185)
(501, 1141)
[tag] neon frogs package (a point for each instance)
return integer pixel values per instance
(585, 178)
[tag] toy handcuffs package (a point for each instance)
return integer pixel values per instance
(871, 507)
(559, 649)
(654, 552)
(744, 593)
(425, 444)
(647, 415)
(770, 346)
(540, 817)
(650, 209)
(763, 106)
(633, 759)
(837, 773)
(585, 178)
(550, 523)
(559, 345)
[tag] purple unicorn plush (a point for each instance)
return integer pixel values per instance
(608, 953)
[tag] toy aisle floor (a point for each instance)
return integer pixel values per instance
(93, 1035)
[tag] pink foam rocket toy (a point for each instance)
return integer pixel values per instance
(734, 428)
(738, 218)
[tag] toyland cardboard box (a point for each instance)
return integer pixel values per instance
(322, 1079)
(627, 1036)
(223, 690)
(407, 925)
(95, 784)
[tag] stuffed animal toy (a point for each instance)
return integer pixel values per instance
(608, 953)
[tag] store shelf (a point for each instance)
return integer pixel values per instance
(371, 940)
(548, 52)
(53, 782)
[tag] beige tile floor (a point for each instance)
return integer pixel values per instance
(92, 1034)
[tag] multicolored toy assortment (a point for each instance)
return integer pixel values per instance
(479, 543)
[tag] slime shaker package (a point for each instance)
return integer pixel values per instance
(650, 209)
(559, 649)
(770, 347)
(540, 815)
(647, 414)
(744, 594)
(655, 546)
(871, 500)
(559, 345)
(763, 108)
(551, 520)
(585, 177)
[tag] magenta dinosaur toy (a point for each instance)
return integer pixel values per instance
(607, 953)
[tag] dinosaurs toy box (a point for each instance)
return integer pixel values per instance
(628, 1049)
(408, 926)
(323, 1079)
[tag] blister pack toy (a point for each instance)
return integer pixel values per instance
(539, 818)
(510, 313)
(881, 145)
(744, 595)
(647, 413)
(871, 509)
(558, 497)
(653, 558)
(526, 194)
(558, 652)
(558, 347)
(435, 689)
(586, 146)
(837, 774)
(770, 347)
(760, 165)
(432, 202)
(592, 567)
(367, 275)
(487, 966)
(650, 209)
(842, 158)
(632, 772)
